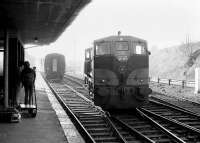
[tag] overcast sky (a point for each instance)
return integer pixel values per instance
(161, 22)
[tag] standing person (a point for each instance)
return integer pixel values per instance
(18, 81)
(34, 68)
(28, 79)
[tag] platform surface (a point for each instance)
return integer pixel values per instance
(51, 125)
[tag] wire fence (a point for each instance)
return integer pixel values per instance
(183, 83)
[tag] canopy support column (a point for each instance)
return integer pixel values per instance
(6, 60)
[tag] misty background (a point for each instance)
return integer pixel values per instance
(169, 26)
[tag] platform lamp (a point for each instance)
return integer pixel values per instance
(35, 39)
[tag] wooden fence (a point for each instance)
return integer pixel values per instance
(183, 83)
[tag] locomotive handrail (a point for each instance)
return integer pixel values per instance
(183, 83)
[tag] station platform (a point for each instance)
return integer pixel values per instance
(51, 125)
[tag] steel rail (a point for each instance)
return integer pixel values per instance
(109, 122)
(73, 117)
(173, 121)
(159, 101)
(79, 94)
(132, 130)
(83, 113)
(171, 135)
(175, 108)
(70, 78)
(81, 88)
(115, 130)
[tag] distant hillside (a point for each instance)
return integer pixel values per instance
(174, 62)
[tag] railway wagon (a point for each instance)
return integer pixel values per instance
(116, 70)
(54, 66)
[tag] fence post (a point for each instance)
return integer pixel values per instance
(169, 81)
(158, 80)
(183, 83)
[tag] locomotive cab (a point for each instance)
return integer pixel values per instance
(120, 69)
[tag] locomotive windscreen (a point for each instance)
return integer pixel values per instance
(103, 48)
(140, 49)
(121, 45)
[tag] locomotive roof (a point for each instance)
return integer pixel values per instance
(54, 54)
(118, 38)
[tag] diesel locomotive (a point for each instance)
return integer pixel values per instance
(116, 71)
(54, 66)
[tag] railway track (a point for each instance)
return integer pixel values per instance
(92, 121)
(146, 129)
(187, 105)
(78, 85)
(174, 113)
(74, 80)
(137, 126)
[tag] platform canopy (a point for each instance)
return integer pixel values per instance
(39, 21)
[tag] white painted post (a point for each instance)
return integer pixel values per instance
(197, 80)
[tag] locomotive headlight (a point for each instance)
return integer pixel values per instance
(140, 81)
(103, 81)
(123, 58)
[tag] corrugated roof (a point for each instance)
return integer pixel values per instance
(44, 20)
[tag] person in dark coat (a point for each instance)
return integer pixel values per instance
(18, 81)
(28, 77)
